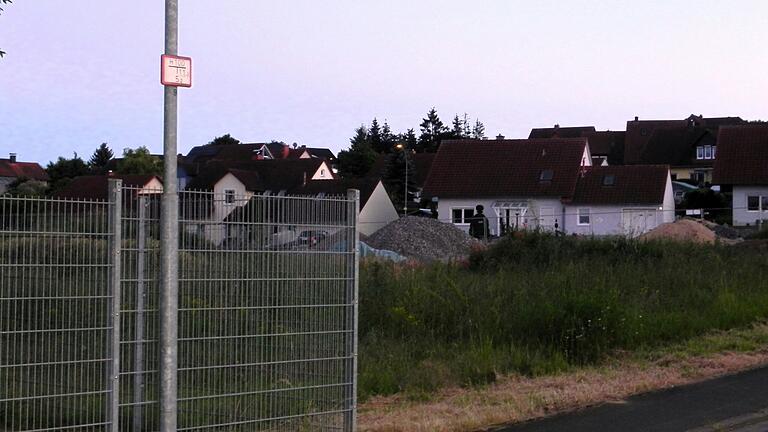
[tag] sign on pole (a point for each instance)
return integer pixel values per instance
(175, 71)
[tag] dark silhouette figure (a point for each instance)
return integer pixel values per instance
(478, 227)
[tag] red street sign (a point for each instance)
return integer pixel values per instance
(175, 71)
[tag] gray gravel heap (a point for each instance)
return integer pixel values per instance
(423, 239)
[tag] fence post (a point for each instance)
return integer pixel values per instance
(354, 211)
(115, 206)
(138, 359)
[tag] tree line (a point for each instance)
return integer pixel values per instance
(369, 142)
(63, 170)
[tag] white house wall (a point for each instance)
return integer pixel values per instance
(609, 220)
(530, 220)
(323, 173)
(741, 216)
(378, 211)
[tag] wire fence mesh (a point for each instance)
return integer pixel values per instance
(267, 313)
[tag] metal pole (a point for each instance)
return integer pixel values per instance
(138, 360)
(354, 196)
(169, 242)
(116, 202)
(405, 201)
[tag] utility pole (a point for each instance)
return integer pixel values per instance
(169, 241)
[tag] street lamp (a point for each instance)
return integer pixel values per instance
(401, 146)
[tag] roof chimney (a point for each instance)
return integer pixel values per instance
(12, 157)
(636, 118)
(557, 126)
(499, 137)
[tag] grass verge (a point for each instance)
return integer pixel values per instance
(514, 397)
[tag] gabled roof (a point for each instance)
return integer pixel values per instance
(323, 153)
(259, 175)
(560, 132)
(339, 187)
(677, 146)
(505, 168)
(742, 155)
(638, 134)
(29, 170)
(230, 152)
(631, 184)
(96, 187)
(607, 143)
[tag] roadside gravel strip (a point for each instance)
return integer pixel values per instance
(516, 398)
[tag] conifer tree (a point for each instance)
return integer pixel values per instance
(100, 159)
(432, 131)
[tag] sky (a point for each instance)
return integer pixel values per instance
(81, 72)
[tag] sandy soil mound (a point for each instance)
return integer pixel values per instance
(681, 230)
(423, 239)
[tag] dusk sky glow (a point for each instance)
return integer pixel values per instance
(81, 72)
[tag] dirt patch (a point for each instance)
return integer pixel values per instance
(682, 230)
(423, 239)
(515, 398)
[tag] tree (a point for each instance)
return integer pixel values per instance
(457, 130)
(100, 159)
(374, 137)
(478, 131)
(359, 158)
(2, 2)
(25, 187)
(387, 138)
(467, 128)
(432, 131)
(64, 170)
(139, 161)
(410, 140)
(225, 139)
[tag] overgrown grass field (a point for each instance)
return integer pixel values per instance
(539, 304)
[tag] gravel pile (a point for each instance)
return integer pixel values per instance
(423, 239)
(681, 230)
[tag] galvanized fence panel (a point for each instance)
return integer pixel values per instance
(56, 325)
(267, 313)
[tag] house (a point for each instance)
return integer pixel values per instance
(546, 184)
(520, 183)
(11, 171)
(96, 187)
(376, 208)
(688, 146)
(606, 147)
(620, 200)
(741, 169)
(234, 183)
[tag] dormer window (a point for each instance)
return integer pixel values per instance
(705, 152)
(609, 180)
(546, 175)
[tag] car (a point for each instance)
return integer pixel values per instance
(310, 237)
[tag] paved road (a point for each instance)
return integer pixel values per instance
(736, 403)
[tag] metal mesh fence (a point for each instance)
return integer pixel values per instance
(55, 320)
(267, 313)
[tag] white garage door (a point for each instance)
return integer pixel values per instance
(638, 221)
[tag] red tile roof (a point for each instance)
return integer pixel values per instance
(339, 187)
(259, 175)
(742, 155)
(639, 133)
(95, 187)
(28, 170)
(505, 168)
(607, 143)
(632, 184)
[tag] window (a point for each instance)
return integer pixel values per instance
(462, 215)
(322, 173)
(714, 149)
(229, 196)
(583, 215)
(707, 152)
(753, 203)
(699, 152)
(609, 180)
(546, 175)
(764, 202)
